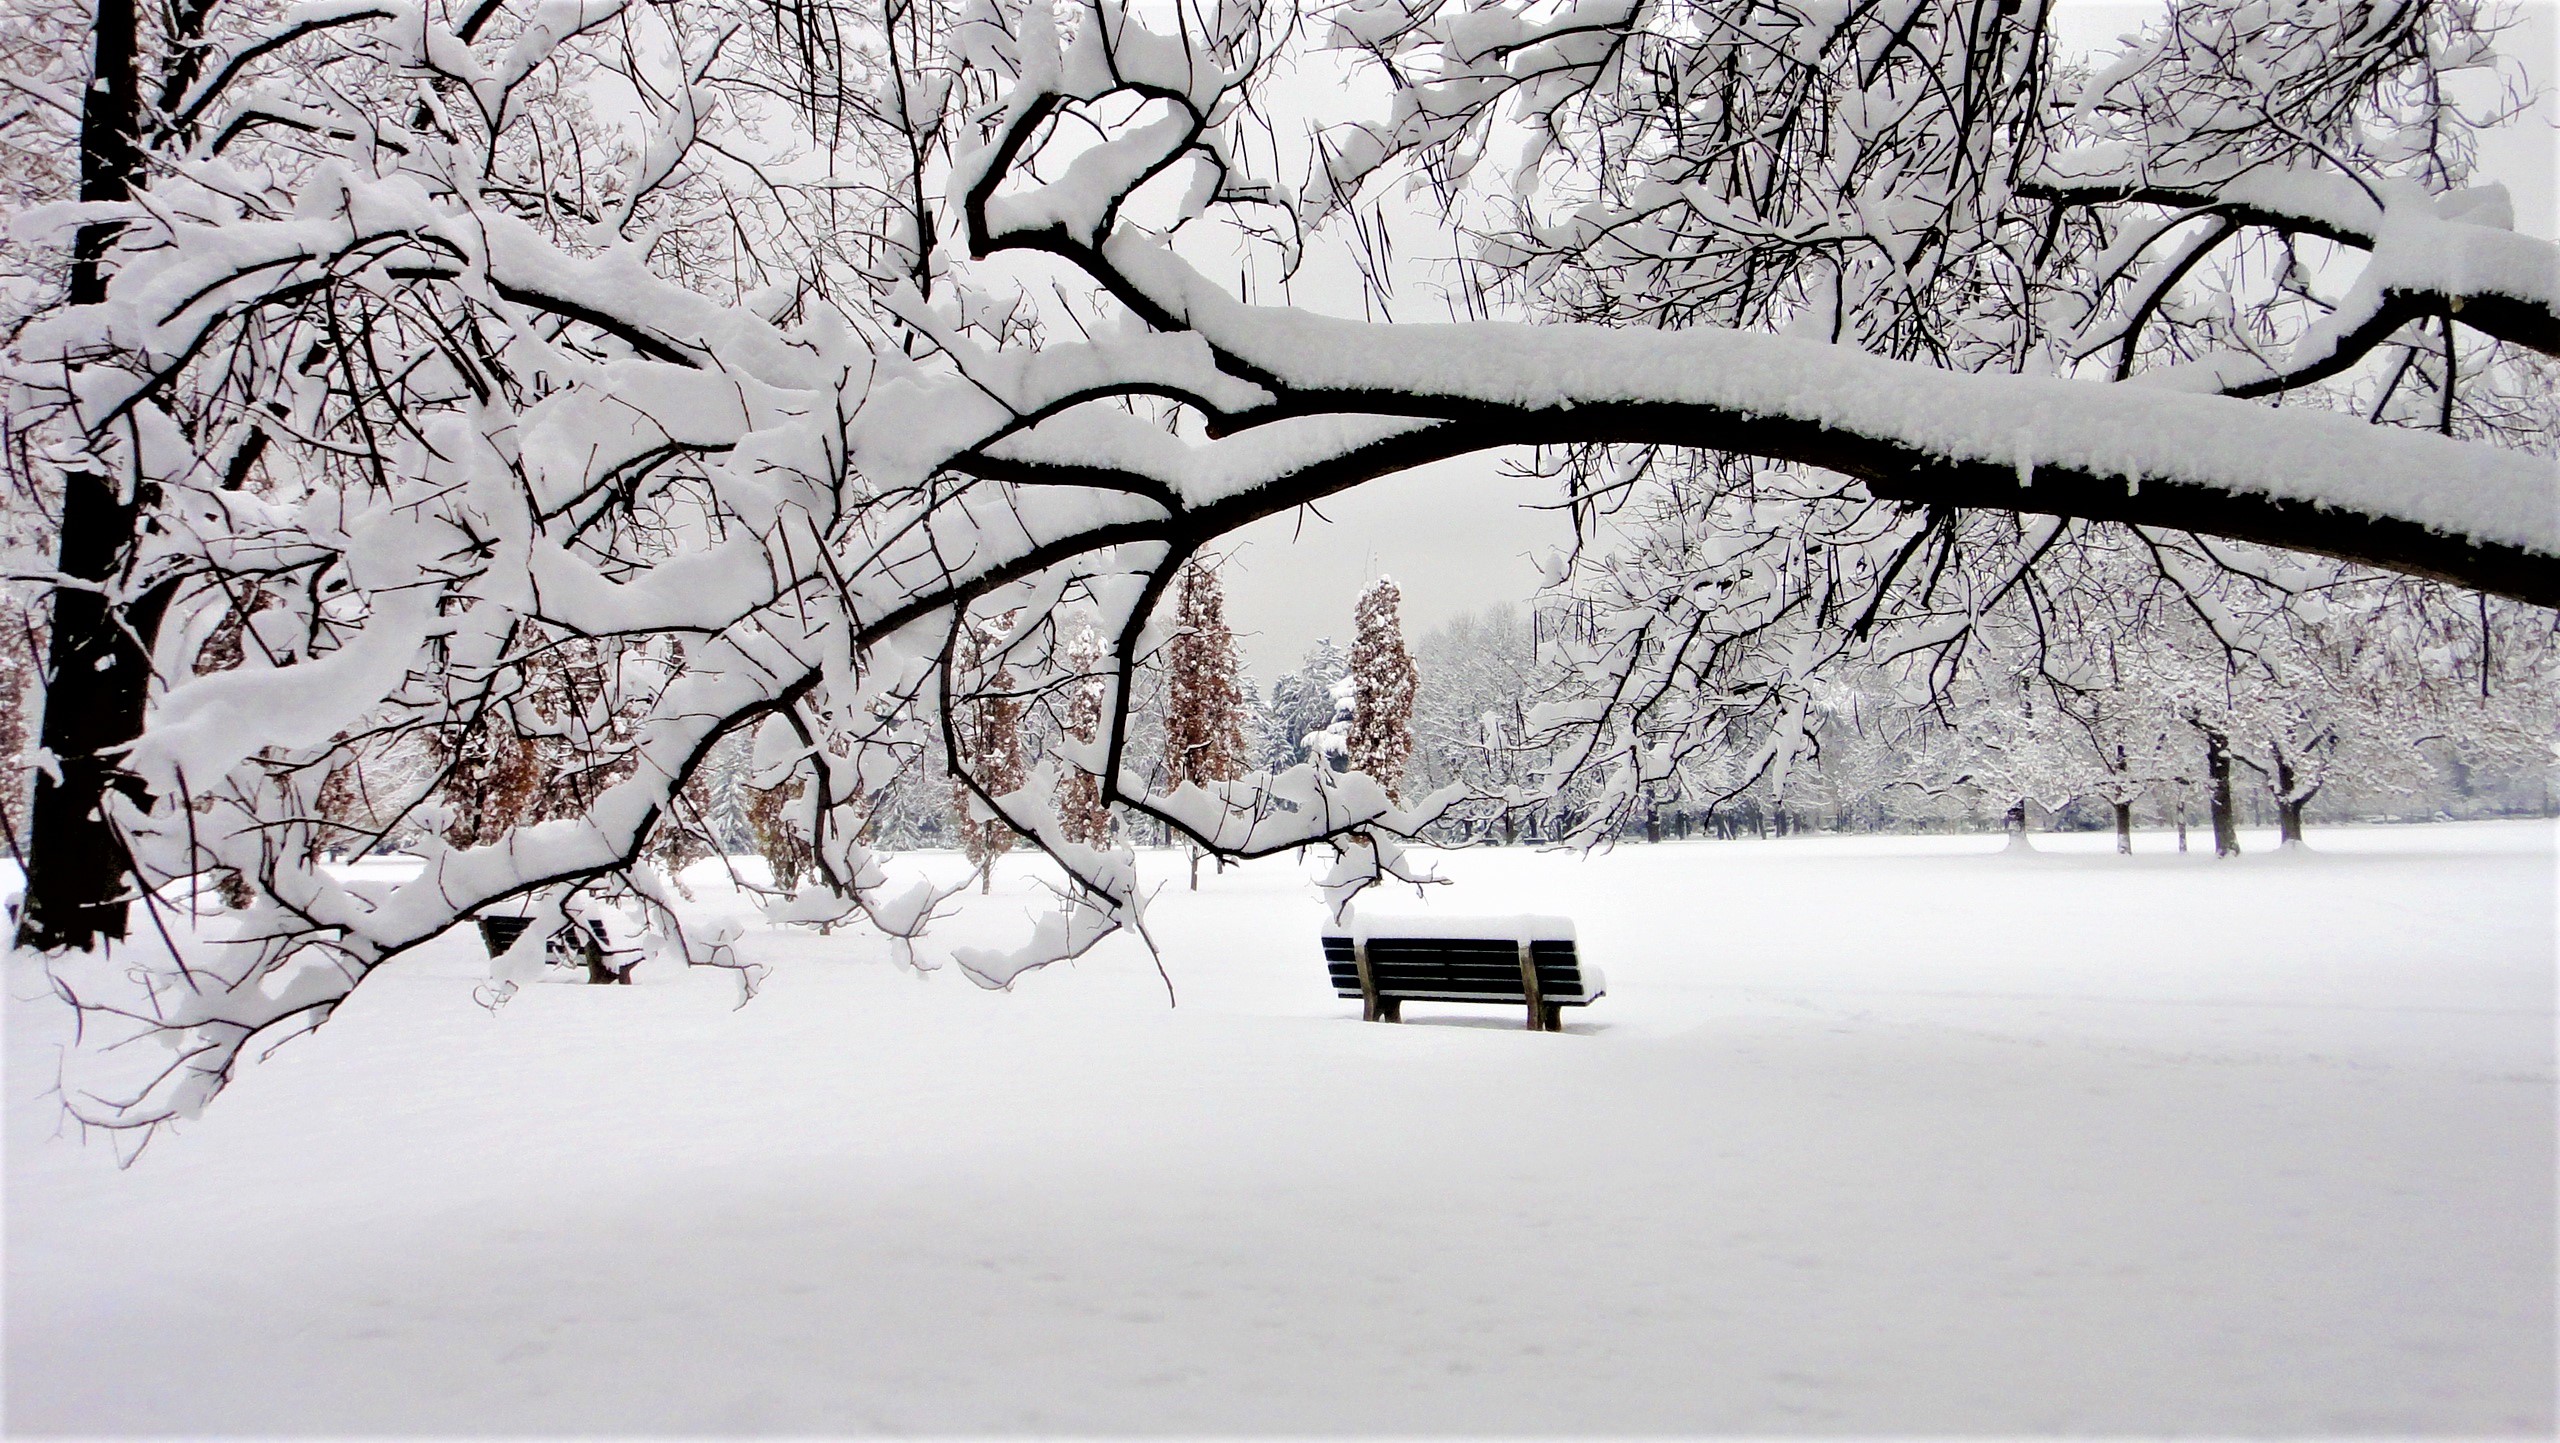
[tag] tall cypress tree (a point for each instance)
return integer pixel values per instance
(1204, 704)
(1204, 710)
(1383, 682)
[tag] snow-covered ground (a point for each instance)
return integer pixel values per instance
(1871, 1135)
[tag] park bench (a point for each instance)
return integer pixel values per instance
(572, 944)
(1509, 961)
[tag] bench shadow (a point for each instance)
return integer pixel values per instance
(1493, 1024)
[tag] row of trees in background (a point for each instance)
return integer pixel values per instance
(2099, 703)
(2095, 704)
(1206, 724)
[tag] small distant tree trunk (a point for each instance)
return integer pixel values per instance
(1510, 829)
(1652, 825)
(2015, 823)
(2124, 828)
(1195, 868)
(2217, 772)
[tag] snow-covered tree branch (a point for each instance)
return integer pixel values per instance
(609, 381)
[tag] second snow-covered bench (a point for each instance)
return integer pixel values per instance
(1526, 962)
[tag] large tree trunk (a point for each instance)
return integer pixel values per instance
(2217, 773)
(2288, 805)
(2015, 823)
(2124, 828)
(97, 663)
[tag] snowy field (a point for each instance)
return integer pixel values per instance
(1871, 1136)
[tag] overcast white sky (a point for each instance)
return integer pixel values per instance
(1460, 536)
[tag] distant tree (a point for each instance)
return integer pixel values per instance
(1204, 705)
(685, 834)
(1382, 682)
(986, 743)
(1476, 680)
(1204, 702)
(778, 839)
(492, 780)
(1082, 814)
(1302, 704)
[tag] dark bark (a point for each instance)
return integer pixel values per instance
(1893, 470)
(97, 663)
(2289, 805)
(2217, 773)
(2124, 829)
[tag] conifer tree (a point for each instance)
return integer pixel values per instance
(1081, 813)
(1204, 704)
(1204, 709)
(986, 741)
(1383, 682)
(1301, 704)
(782, 845)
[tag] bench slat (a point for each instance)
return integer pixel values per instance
(1563, 979)
(1477, 969)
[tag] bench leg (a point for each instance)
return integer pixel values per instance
(1529, 989)
(1555, 1017)
(1390, 1009)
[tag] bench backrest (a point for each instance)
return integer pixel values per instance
(1456, 969)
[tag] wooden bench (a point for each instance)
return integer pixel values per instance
(1510, 961)
(569, 946)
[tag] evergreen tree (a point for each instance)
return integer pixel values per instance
(784, 849)
(1302, 704)
(1204, 707)
(1204, 703)
(986, 742)
(1081, 813)
(1382, 681)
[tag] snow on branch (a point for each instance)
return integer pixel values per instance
(591, 385)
